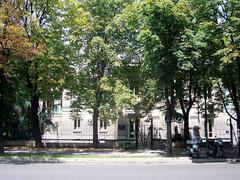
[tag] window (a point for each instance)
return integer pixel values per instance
(57, 106)
(77, 123)
(210, 127)
(103, 125)
(131, 128)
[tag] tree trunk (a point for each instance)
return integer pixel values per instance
(235, 99)
(34, 94)
(186, 126)
(186, 107)
(169, 96)
(137, 131)
(2, 107)
(1, 136)
(1, 122)
(96, 117)
(151, 135)
(35, 121)
(206, 120)
(236, 106)
(186, 119)
(95, 127)
(238, 134)
(169, 133)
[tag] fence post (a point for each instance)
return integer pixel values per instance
(151, 133)
(231, 131)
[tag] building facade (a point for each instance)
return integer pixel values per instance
(68, 128)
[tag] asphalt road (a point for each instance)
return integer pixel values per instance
(217, 171)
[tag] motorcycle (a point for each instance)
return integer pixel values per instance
(216, 148)
(193, 148)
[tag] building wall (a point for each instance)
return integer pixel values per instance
(64, 125)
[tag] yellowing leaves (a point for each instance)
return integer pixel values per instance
(14, 40)
(228, 54)
(61, 81)
(105, 84)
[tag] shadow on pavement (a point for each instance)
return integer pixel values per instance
(21, 156)
(215, 160)
(25, 162)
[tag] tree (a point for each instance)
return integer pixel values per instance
(96, 63)
(160, 33)
(227, 14)
(193, 51)
(45, 74)
(15, 46)
(124, 32)
(157, 28)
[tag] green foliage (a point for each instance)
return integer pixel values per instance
(116, 54)
(94, 80)
(123, 97)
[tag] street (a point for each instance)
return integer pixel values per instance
(117, 171)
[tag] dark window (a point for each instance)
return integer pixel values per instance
(131, 128)
(77, 123)
(121, 127)
(210, 128)
(103, 124)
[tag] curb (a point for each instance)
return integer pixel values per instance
(229, 160)
(26, 160)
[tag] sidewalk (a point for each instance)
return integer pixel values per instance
(60, 155)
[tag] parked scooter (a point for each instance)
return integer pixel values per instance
(216, 148)
(193, 148)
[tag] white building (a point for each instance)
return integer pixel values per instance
(78, 129)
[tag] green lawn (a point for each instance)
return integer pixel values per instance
(44, 155)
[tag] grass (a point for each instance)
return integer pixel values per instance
(44, 155)
(82, 153)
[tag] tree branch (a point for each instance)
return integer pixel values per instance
(224, 105)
